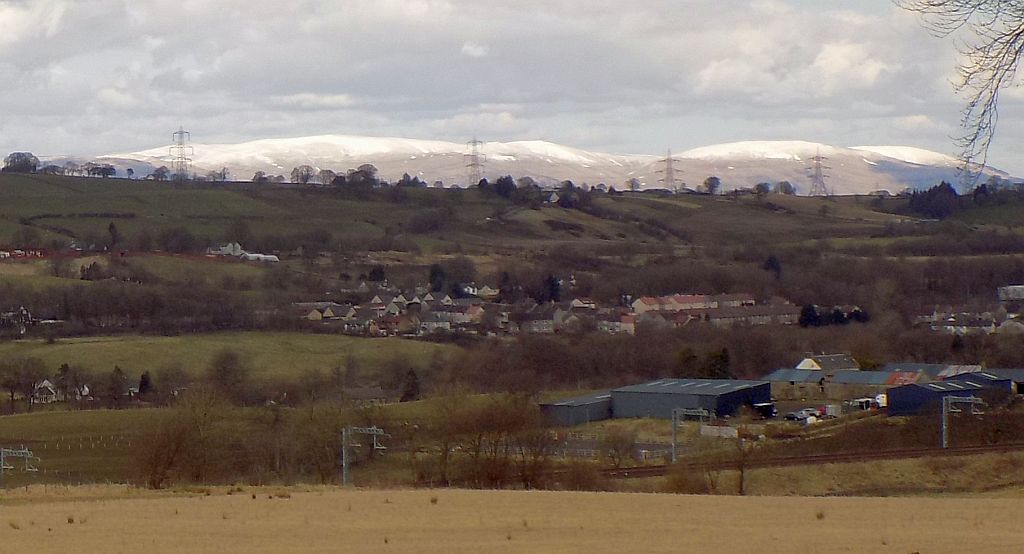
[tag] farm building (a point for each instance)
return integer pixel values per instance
(987, 379)
(579, 410)
(828, 362)
(722, 397)
(1015, 375)
(919, 398)
(808, 384)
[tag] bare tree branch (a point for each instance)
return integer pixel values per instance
(990, 56)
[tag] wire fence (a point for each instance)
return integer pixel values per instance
(106, 452)
(78, 442)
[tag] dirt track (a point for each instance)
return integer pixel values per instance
(509, 521)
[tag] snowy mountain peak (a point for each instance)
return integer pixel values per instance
(858, 170)
(770, 150)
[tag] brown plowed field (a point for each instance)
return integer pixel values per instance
(447, 521)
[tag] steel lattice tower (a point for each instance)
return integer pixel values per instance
(669, 171)
(818, 186)
(474, 162)
(181, 153)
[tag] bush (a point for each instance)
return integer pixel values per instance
(583, 476)
(425, 221)
(682, 479)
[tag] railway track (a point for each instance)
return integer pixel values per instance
(815, 459)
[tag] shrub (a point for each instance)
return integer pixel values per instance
(683, 479)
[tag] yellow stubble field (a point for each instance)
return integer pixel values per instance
(448, 521)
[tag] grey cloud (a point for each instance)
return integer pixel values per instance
(115, 75)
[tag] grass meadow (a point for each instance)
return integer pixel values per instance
(267, 354)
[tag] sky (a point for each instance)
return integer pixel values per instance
(89, 77)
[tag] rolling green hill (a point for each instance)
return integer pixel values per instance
(82, 208)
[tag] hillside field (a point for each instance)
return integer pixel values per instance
(332, 520)
(268, 355)
(82, 208)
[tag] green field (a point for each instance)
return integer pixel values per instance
(91, 446)
(66, 207)
(269, 355)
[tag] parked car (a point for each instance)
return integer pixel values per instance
(801, 414)
(766, 410)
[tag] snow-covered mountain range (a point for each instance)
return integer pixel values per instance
(850, 170)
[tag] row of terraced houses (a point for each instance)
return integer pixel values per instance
(421, 312)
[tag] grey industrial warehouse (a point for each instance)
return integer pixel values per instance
(720, 397)
(922, 398)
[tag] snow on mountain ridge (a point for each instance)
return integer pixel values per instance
(331, 147)
(772, 150)
(738, 164)
(910, 154)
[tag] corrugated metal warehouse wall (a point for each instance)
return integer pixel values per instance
(579, 410)
(659, 398)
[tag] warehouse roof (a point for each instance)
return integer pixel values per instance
(983, 377)
(1008, 373)
(934, 371)
(583, 400)
(794, 376)
(949, 386)
(845, 377)
(930, 369)
(700, 387)
(859, 378)
(829, 362)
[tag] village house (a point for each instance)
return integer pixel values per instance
(487, 293)
(828, 362)
(319, 311)
(672, 303)
(747, 315)
(44, 392)
(232, 249)
(430, 323)
(733, 300)
(583, 304)
(615, 323)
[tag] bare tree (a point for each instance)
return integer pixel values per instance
(990, 55)
(326, 176)
(303, 174)
(618, 445)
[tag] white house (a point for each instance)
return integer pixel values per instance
(44, 392)
(230, 249)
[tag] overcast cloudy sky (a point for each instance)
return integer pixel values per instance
(100, 76)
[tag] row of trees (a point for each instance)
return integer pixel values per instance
(27, 162)
(492, 441)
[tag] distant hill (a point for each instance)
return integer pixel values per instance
(856, 170)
